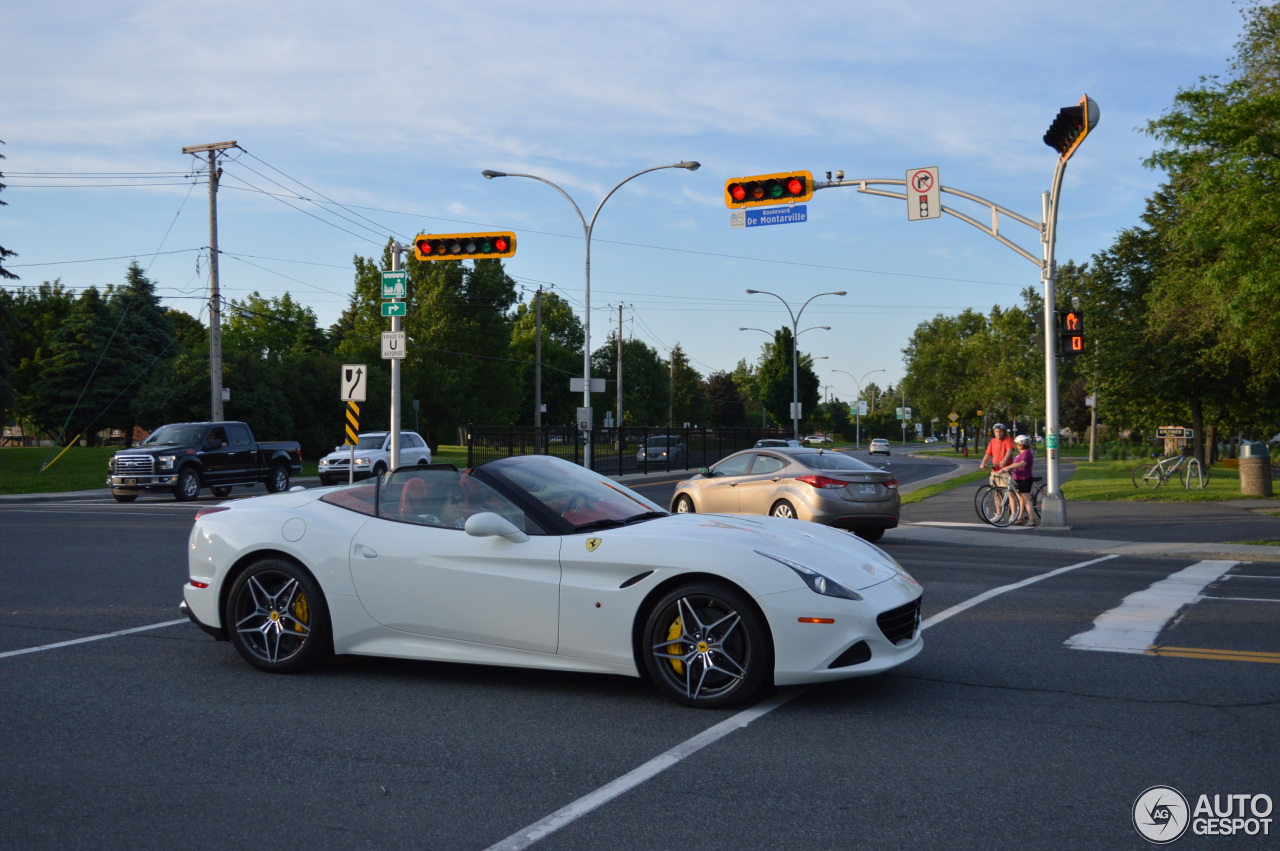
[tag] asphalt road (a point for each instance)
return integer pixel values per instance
(1000, 734)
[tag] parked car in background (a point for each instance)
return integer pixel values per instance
(182, 458)
(661, 449)
(931, 439)
(879, 446)
(778, 441)
(819, 485)
(818, 439)
(372, 456)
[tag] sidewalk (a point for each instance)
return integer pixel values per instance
(1204, 530)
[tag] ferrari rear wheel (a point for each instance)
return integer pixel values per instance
(277, 618)
(706, 645)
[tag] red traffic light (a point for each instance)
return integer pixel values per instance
(763, 189)
(1071, 332)
(464, 246)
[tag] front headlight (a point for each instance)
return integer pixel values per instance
(324, 462)
(166, 461)
(362, 462)
(817, 582)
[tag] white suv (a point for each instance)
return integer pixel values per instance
(373, 456)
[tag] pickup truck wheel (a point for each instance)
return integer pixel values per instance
(221, 493)
(278, 479)
(188, 486)
(123, 497)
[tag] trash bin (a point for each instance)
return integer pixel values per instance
(1255, 469)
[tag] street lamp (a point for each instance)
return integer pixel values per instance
(795, 342)
(587, 227)
(857, 441)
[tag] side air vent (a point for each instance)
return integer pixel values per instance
(639, 577)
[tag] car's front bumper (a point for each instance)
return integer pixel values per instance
(142, 483)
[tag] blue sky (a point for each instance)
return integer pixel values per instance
(393, 114)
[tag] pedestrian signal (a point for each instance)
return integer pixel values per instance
(1071, 332)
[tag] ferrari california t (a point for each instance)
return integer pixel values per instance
(536, 562)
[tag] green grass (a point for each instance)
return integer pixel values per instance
(1105, 481)
(942, 487)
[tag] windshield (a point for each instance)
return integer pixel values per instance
(174, 435)
(371, 441)
(834, 461)
(581, 498)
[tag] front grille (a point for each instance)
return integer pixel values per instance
(900, 624)
(134, 465)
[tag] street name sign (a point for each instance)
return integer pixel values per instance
(754, 217)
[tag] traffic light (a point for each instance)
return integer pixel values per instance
(1071, 332)
(789, 187)
(1071, 126)
(464, 246)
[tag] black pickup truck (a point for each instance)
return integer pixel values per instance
(182, 458)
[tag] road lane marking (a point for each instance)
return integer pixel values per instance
(1134, 625)
(115, 634)
(527, 836)
(1218, 655)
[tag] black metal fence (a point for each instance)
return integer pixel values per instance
(614, 452)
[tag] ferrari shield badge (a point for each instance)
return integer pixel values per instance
(592, 543)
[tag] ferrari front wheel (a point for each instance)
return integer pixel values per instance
(706, 645)
(277, 618)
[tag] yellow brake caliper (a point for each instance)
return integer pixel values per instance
(302, 612)
(677, 629)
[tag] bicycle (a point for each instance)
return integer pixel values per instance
(1188, 470)
(1001, 507)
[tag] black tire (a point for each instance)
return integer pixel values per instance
(123, 497)
(1146, 476)
(706, 645)
(325, 481)
(277, 619)
(378, 470)
(979, 498)
(221, 493)
(869, 535)
(278, 479)
(783, 509)
(683, 505)
(1001, 507)
(187, 487)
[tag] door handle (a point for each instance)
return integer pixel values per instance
(365, 552)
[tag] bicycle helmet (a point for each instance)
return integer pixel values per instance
(1022, 439)
(1000, 426)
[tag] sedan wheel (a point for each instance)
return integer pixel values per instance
(277, 619)
(784, 509)
(706, 645)
(684, 505)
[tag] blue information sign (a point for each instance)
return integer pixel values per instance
(754, 217)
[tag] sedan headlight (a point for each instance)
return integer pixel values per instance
(817, 582)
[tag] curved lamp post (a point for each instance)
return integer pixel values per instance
(795, 342)
(587, 227)
(857, 441)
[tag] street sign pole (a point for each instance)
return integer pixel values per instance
(396, 248)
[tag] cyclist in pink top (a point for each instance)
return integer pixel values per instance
(1019, 469)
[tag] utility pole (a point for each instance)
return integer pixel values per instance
(537, 369)
(215, 297)
(617, 421)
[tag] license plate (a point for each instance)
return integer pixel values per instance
(867, 490)
(130, 481)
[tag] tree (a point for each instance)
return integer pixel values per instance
(688, 403)
(775, 378)
(728, 410)
(646, 380)
(561, 358)
(4, 252)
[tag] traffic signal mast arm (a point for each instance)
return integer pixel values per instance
(996, 210)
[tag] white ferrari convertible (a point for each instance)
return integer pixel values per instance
(539, 563)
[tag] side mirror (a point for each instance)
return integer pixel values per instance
(705, 472)
(486, 524)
